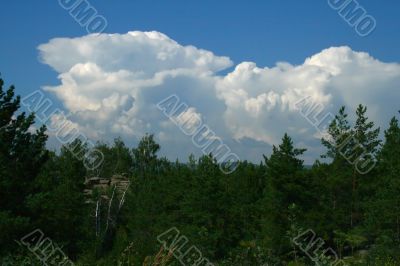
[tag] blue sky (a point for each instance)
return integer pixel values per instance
(264, 32)
(260, 31)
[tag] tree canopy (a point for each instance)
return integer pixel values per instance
(114, 214)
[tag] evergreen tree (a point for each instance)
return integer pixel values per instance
(60, 205)
(365, 149)
(339, 170)
(22, 154)
(383, 211)
(145, 155)
(348, 202)
(284, 188)
(117, 160)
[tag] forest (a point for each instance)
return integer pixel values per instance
(138, 208)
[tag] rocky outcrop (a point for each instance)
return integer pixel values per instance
(108, 203)
(120, 182)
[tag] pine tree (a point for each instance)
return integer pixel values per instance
(284, 188)
(117, 160)
(145, 155)
(383, 211)
(22, 154)
(339, 169)
(60, 205)
(365, 149)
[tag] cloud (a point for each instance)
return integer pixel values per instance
(143, 53)
(111, 84)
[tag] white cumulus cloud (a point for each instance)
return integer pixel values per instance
(111, 84)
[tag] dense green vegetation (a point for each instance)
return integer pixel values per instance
(252, 216)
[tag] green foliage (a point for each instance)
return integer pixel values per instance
(117, 160)
(145, 156)
(248, 217)
(284, 191)
(22, 154)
